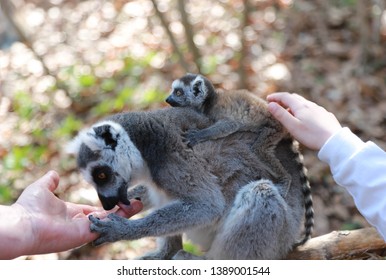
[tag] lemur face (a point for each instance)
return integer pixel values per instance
(108, 160)
(190, 90)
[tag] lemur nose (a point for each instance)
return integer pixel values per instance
(108, 202)
(171, 101)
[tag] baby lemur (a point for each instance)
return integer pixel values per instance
(213, 192)
(232, 111)
(235, 111)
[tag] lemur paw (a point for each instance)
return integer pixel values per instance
(192, 137)
(110, 229)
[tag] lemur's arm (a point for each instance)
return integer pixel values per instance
(172, 219)
(220, 129)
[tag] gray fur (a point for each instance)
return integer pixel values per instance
(237, 111)
(213, 192)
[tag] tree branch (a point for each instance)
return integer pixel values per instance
(6, 6)
(189, 34)
(172, 39)
(321, 25)
(355, 244)
(243, 51)
(364, 31)
(376, 21)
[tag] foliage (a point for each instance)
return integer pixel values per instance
(191, 248)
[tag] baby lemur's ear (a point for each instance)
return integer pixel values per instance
(199, 87)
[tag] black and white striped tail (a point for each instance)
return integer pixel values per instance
(308, 205)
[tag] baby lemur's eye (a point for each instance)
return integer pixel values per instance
(179, 93)
(102, 176)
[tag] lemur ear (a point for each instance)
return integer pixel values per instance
(199, 87)
(108, 134)
(103, 135)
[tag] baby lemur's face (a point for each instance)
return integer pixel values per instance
(189, 91)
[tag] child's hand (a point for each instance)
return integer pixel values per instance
(309, 123)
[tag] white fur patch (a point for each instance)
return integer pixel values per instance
(89, 138)
(73, 146)
(177, 84)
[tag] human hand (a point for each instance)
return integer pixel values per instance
(309, 123)
(53, 225)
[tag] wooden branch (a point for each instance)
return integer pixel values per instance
(364, 33)
(321, 25)
(377, 21)
(172, 39)
(8, 14)
(320, 19)
(355, 244)
(243, 52)
(189, 34)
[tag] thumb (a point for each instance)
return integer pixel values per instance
(50, 180)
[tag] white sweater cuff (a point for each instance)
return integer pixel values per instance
(333, 152)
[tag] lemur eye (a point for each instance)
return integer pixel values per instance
(179, 93)
(102, 174)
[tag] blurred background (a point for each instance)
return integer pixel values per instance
(65, 64)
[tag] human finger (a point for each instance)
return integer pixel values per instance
(50, 180)
(290, 101)
(283, 116)
(129, 210)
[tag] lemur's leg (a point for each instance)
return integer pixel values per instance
(264, 146)
(258, 226)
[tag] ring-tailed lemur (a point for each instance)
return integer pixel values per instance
(240, 110)
(213, 192)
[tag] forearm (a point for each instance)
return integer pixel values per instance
(360, 168)
(13, 232)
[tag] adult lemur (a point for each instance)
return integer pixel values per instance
(236, 111)
(213, 192)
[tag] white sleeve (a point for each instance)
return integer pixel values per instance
(361, 168)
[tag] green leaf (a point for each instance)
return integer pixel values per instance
(5, 194)
(68, 126)
(24, 106)
(87, 80)
(152, 96)
(191, 248)
(108, 85)
(210, 64)
(351, 226)
(16, 159)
